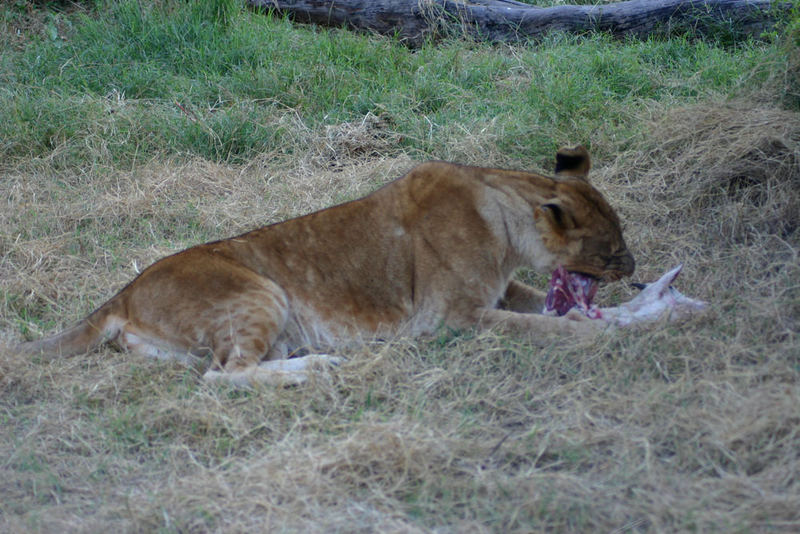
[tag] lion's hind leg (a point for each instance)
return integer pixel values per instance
(246, 328)
(138, 342)
(237, 329)
(291, 372)
(243, 329)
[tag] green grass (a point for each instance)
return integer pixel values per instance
(143, 79)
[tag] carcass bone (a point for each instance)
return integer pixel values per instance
(657, 300)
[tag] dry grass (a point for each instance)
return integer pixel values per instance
(681, 427)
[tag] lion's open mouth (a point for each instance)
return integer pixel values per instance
(570, 289)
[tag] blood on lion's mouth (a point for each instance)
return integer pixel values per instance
(569, 289)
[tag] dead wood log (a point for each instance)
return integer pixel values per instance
(510, 20)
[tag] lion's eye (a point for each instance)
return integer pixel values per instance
(558, 213)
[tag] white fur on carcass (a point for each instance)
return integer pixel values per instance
(657, 300)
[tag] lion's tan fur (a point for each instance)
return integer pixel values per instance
(438, 246)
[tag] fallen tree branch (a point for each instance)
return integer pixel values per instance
(510, 20)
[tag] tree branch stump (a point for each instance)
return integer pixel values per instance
(508, 20)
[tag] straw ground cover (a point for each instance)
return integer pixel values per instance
(690, 426)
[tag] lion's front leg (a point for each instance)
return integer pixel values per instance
(537, 325)
(522, 298)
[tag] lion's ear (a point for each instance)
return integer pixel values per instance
(556, 216)
(574, 162)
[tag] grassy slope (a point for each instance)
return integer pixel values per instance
(131, 132)
(134, 83)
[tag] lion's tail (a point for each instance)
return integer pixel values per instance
(88, 334)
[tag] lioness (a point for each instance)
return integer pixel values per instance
(438, 246)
